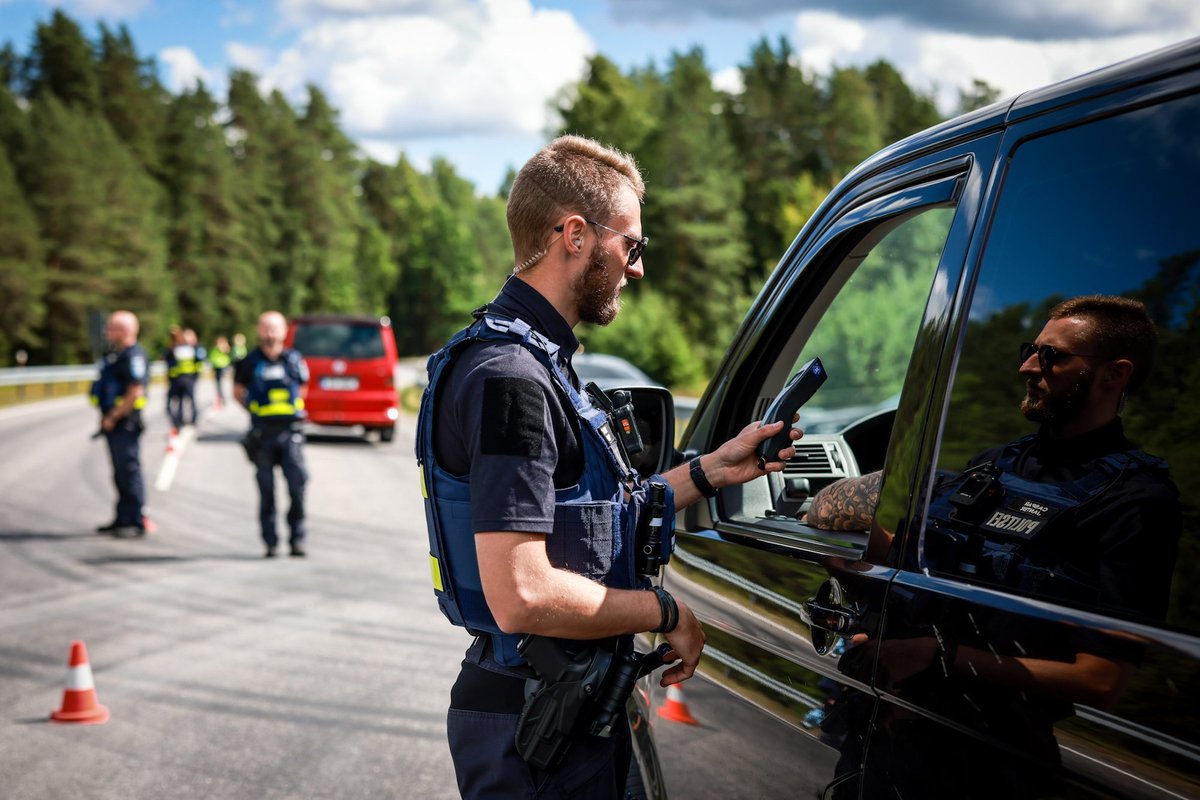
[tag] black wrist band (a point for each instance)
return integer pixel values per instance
(700, 479)
(668, 611)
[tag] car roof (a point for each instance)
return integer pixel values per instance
(357, 319)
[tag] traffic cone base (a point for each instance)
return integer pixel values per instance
(79, 704)
(674, 709)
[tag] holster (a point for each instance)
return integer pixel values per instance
(252, 444)
(576, 695)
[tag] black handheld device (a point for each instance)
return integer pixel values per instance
(797, 392)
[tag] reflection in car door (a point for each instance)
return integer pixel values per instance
(983, 673)
(778, 716)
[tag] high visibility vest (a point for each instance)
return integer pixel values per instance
(274, 389)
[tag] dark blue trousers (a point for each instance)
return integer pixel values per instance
(123, 446)
(181, 392)
(488, 767)
(285, 449)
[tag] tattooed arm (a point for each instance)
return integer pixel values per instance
(848, 505)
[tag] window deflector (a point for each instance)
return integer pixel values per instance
(869, 216)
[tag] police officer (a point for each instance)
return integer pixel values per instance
(120, 394)
(506, 432)
(269, 382)
(220, 358)
(182, 365)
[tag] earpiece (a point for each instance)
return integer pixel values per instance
(579, 242)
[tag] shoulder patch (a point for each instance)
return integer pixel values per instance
(513, 418)
(137, 367)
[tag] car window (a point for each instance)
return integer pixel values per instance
(339, 340)
(863, 332)
(1105, 208)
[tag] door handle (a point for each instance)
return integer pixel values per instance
(830, 615)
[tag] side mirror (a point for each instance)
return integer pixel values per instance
(654, 414)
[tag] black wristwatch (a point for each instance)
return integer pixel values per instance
(700, 479)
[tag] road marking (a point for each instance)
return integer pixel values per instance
(166, 473)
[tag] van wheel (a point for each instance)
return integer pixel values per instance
(387, 434)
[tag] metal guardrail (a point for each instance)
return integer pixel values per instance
(26, 376)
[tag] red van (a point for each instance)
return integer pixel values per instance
(352, 366)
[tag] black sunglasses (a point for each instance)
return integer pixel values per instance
(1048, 355)
(636, 245)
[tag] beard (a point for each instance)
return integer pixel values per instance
(1061, 406)
(598, 302)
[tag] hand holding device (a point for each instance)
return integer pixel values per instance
(796, 393)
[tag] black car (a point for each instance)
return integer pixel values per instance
(915, 283)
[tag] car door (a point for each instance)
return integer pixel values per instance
(998, 679)
(867, 288)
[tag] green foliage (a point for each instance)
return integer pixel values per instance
(648, 333)
(867, 363)
(97, 210)
(22, 273)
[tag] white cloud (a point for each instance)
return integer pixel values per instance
(184, 70)
(941, 63)
(489, 66)
(729, 80)
(244, 56)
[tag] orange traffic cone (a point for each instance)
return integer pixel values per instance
(79, 703)
(675, 709)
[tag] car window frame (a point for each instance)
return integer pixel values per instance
(804, 272)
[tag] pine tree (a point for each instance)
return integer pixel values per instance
(130, 95)
(22, 272)
(103, 238)
(693, 210)
(61, 64)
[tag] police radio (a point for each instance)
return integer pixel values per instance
(798, 391)
(619, 408)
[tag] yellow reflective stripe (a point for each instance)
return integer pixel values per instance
(437, 573)
(94, 400)
(140, 403)
(424, 491)
(253, 406)
(300, 403)
(275, 410)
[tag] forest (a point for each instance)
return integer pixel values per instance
(201, 211)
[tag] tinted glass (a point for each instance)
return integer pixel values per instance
(1105, 208)
(339, 340)
(866, 336)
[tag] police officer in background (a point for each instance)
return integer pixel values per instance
(506, 430)
(182, 366)
(220, 359)
(120, 394)
(269, 382)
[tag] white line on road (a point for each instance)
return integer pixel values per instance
(175, 447)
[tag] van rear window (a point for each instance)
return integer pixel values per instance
(339, 340)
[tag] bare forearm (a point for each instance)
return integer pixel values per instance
(526, 594)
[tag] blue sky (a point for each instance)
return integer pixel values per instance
(471, 80)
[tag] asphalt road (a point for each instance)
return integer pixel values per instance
(227, 675)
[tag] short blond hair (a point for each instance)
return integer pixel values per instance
(572, 174)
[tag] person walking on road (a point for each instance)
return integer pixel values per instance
(182, 366)
(120, 394)
(270, 383)
(220, 359)
(531, 506)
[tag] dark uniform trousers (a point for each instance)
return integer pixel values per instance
(481, 726)
(123, 446)
(182, 390)
(283, 448)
